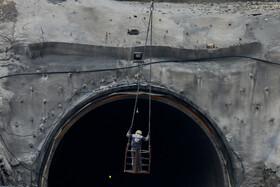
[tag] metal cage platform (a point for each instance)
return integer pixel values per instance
(137, 161)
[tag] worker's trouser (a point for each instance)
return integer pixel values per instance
(136, 158)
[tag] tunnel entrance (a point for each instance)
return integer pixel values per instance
(91, 152)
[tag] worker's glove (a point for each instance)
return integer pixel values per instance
(129, 132)
(148, 136)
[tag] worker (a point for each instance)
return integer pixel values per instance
(136, 144)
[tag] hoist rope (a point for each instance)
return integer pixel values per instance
(140, 67)
(150, 81)
(135, 104)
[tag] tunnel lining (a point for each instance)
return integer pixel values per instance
(105, 98)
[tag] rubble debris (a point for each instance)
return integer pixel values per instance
(57, 1)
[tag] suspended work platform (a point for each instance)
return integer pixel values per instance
(137, 161)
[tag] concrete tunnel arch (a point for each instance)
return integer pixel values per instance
(188, 148)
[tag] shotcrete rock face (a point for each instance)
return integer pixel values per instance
(240, 96)
(92, 151)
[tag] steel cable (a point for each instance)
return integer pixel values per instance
(143, 64)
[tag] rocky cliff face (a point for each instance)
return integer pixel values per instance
(242, 97)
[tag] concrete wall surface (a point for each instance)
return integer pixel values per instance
(240, 95)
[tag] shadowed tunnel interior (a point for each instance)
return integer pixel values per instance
(93, 149)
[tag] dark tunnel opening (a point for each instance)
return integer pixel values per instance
(93, 149)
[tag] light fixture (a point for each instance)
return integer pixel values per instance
(137, 56)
